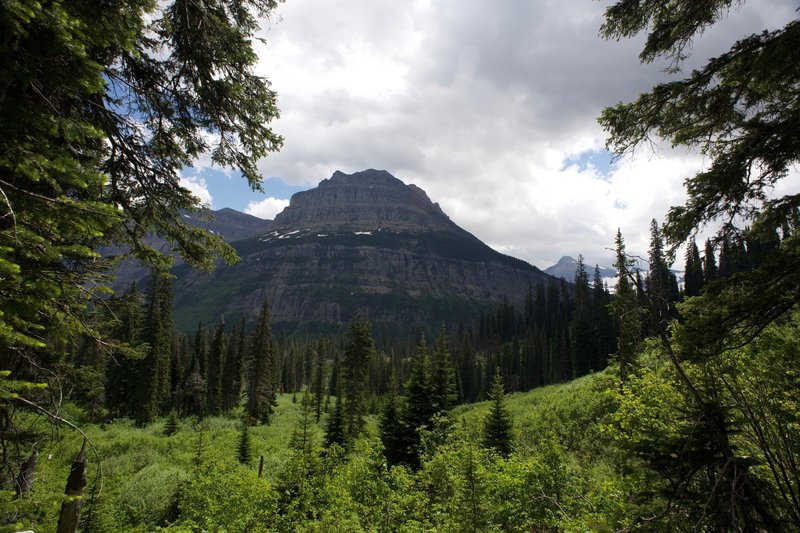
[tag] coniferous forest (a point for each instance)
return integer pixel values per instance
(648, 405)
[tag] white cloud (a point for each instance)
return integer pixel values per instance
(481, 104)
(266, 208)
(199, 188)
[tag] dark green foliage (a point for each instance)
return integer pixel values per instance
(741, 110)
(498, 425)
(443, 379)
(358, 354)
(152, 373)
(196, 387)
(660, 284)
(232, 370)
(693, 271)
(627, 311)
(298, 482)
(336, 428)
(244, 450)
(172, 424)
(318, 382)
(103, 106)
(216, 358)
(582, 333)
(394, 432)
(261, 381)
(602, 323)
(420, 406)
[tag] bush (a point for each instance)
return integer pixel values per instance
(228, 498)
(149, 498)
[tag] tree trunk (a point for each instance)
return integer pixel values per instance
(71, 507)
(26, 473)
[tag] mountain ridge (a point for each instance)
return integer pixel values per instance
(363, 242)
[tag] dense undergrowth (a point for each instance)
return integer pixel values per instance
(561, 475)
(593, 454)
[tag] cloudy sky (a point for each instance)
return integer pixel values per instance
(490, 107)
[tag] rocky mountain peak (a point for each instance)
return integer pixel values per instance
(366, 201)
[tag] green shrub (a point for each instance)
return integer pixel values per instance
(149, 498)
(228, 498)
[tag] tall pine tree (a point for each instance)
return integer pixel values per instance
(260, 388)
(498, 425)
(358, 354)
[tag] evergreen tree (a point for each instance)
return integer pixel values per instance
(660, 285)
(150, 369)
(602, 323)
(232, 370)
(740, 108)
(244, 448)
(103, 107)
(334, 385)
(627, 310)
(318, 382)
(216, 358)
(693, 273)
(393, 431)
(303, 442)
(167, 344)
(196, 386)
(122, 384)
(358, 354)
(497, 427)
(296, 484)
(420, 407)
(582, 331)
(442, 375)
(179, 364)
(172, 424)
(336, 428)
(261, 392)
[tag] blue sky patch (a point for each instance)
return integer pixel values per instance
(231, 190)
(601, 160)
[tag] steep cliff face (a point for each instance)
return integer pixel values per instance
(361, 242)
(372, 200)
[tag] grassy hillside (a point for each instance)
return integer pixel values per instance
(561, 475)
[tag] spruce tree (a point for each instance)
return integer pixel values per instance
(582, 331)
(232, 369)
(393, 430)
(497, 427)
(303, 442)
(172, 424)
(318, 382)
(122, 384)
(196, 387)
(661, 285)
(442, 375)
(244, 448)
(602, 323)
(261, 392)
(627, 310)
(420, 407)
(167, 344)
(336, 428)
(148, 374)
(358, 354)
(693, 272)
(216, 357)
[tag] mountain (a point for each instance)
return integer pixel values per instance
(566, 266)
(228, 223)
(361, 242)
